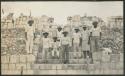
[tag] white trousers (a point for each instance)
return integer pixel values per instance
(55, 52)
(29, 44)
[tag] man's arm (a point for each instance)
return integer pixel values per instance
(26, 35)
(89, 40)
(80, 44)
(89, 37)
(34, 32)
(90, 34)
(72, 41)
(100, 35)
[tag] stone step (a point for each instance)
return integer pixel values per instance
(76, 72)
(17, 59)
(17, 72)
(58, 66)
(60, 72)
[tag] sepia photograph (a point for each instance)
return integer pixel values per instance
(62, 38)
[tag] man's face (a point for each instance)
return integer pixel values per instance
(45, 36)
(76, 31)
(84, 28)
(54, 40)
(30, 22)
(59, 29)
(95, 24)
(65, 35)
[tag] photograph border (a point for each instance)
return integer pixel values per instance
(75, 1)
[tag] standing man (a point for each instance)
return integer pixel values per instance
(65, 46)
(95, 37)
(46, 44)
(55, 51)
(59, 36)
(95, 34)
(30, 36)
(85, 42)
(76, 42)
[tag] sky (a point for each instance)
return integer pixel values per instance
(60, 10)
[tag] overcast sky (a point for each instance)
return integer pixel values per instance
(60, 10)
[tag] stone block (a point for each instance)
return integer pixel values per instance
(59, 66)
(2, 20)
(95, 56)
(50, 67)
(10, 25)
(3, 72)
(64, 67)
(28, 66)
(35, 66)
(45, 72)
(5, 59)
(22, 58)
(28, 72)
(10, 72)
(105, 58)
(9, 21)
(5, 23)
(120, 66)
(14, 59)
(4, 66)
(75, 61)
(42, 66)
(30, 58)
(62, 72)
(81, 61)
(121, 57)
(20, 66)
(70, 67)
(12, 66)
(91, 67)
(47, 66)
(53, 67)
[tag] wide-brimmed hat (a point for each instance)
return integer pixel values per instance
(77, 29)
(30, 21)
(59, 27)
(95, 22)
(54, 37)
(45, 33)
(65, 32)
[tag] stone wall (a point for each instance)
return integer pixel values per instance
(15, 64)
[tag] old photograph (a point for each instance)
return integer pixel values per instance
(62, 38)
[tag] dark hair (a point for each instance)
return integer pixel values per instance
(30, 22)
(65, 32)
(54, 37)
(45, 33)
(95, 23)
(77, 29)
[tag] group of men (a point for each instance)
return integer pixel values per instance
(59, 46)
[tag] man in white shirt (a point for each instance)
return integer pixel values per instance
(44, 47)
(55, 51)
(65, 40)
(95, 34)
(46, 44)
(85, 41)
(76, 42)
(29, 36)
(59, 35)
